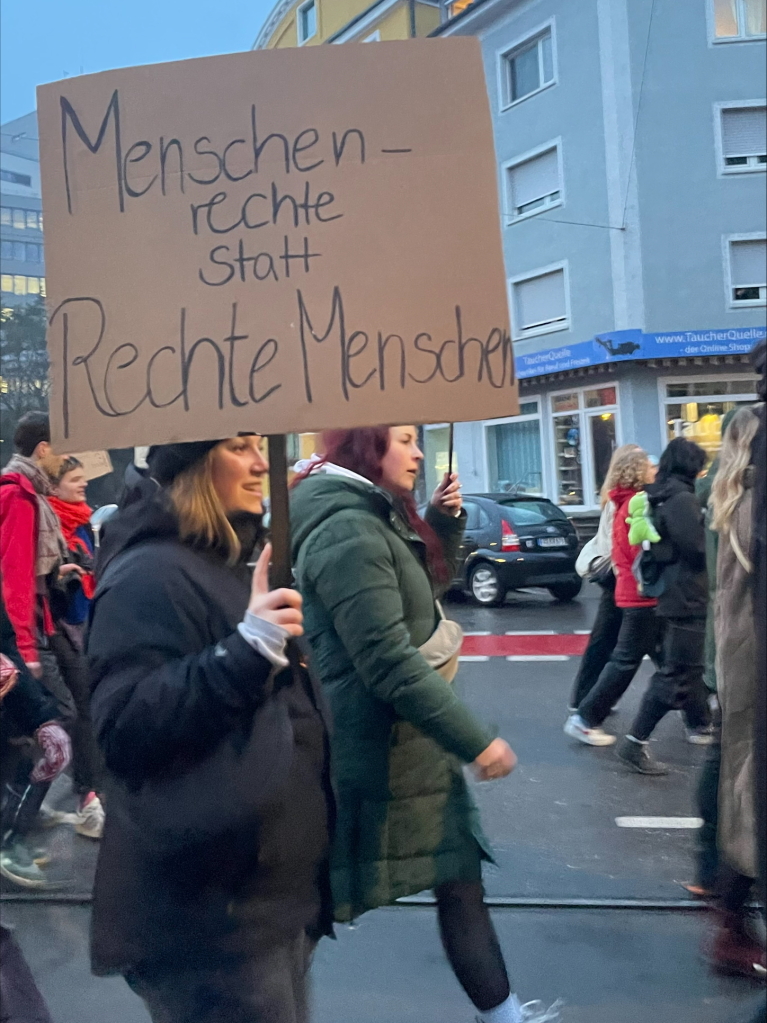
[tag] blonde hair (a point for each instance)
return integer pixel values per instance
(623, 470)
(202, 519)
(734, 459)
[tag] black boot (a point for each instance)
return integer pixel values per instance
(636, 755)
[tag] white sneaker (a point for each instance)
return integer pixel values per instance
(89, 821)
(536, 1012)
(701, 736)
(577, 728)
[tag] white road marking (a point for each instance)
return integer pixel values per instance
(582, 632)
(538, 657)
(477, 633)
(659, 822)
(532, 632)
(473, 657)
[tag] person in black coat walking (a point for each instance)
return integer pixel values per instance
(678, 682)
(212, 884)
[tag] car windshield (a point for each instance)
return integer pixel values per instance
(533, 513)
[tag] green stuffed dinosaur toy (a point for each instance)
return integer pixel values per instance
(640, 523)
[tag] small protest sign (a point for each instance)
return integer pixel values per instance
(94, 463)
(278, 241)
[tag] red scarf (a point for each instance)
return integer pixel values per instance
(72, 516)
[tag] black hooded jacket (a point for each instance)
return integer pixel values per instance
(171, 678)
(678, 518)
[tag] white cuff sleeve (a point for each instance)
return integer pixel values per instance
(265, 637)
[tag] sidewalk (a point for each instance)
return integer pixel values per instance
(610, 966)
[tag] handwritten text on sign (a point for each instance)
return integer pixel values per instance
(280, 241)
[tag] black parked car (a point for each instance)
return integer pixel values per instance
(516, 541)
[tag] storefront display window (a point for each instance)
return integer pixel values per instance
(695, 408)
(514, 457)
(585, 436)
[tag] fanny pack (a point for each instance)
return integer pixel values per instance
(442, 648)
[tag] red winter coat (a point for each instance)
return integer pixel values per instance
(624, 554)
(18, 557)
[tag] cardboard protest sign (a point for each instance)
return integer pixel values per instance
(94, 463)
(278, 241)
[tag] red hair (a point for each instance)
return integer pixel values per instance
(362, 451)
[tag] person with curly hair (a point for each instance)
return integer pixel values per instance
(638, 634)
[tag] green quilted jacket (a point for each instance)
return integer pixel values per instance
(406, 819)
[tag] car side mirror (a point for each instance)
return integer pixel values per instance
(99, 517)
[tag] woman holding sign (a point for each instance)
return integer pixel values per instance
(212, 885)
(368, 568)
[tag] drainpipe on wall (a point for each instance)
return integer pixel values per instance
(411, 11)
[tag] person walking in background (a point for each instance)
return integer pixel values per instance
(29, 729)
(678, 683)
(32, 551)
(27, 711)
(368, 567)
(595, 564)
(708, 785)
(638, 631)
(70, 601)
(212, 883)
(733, 947)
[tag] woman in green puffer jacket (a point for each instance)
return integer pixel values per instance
(367, 567)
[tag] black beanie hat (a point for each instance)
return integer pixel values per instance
(167, 461)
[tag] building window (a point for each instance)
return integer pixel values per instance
(307, 21)
(695, 408)
(743, 138)
(534, 183)
(739, 19)
(436, 451)
(747, 271)
(585, 436)
(33, 252)
(20, 284)
(457, 6)
(21, 220)
(539, 302)
(16, 179)
(514, 455)
(528, 67)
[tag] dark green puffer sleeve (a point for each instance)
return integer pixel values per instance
(352, 573)
(449, 530)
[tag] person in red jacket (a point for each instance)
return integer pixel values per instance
(32, 558)
(639, 633)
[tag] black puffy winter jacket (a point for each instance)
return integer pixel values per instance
(171, 678)
(678, 518)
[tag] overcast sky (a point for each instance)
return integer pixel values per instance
(44, 40)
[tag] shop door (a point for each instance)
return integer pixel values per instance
(602, 437)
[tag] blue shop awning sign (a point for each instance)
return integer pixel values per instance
(628, 345)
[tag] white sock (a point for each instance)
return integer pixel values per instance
(509, 1011)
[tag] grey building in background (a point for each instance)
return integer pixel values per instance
(21, 218)
(630, 141)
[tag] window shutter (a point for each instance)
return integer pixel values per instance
(744, 131)
(541, 299)
(748, 263)
(534, 178)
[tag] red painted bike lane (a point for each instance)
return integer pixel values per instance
(525, 645)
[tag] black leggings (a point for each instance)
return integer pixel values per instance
(471, 944)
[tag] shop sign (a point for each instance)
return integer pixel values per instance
(628, 345)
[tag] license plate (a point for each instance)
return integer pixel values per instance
(552, 541)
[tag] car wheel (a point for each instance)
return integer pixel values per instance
(565, 591)
(485, 585)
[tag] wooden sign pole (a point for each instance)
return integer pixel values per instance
(282, 571)
(450, 450)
